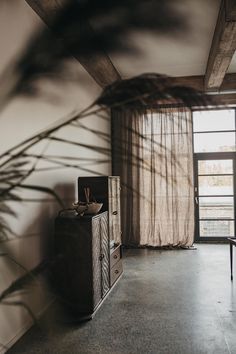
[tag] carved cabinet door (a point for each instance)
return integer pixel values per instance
(100, 246)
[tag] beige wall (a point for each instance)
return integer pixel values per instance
(20, 119)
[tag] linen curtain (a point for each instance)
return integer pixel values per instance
(152, 154)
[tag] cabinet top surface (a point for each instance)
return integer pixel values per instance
(95, 177)
(82, 218)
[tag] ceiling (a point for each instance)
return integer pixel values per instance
(201, 49)
(177, 54)
(201, 53)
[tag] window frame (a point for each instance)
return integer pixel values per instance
(219, 155)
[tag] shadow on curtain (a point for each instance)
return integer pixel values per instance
(152, 154)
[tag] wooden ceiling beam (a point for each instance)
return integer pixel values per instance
(226, 96)
(99, 65)
(197, 82)
(224, 99)
(223, 45)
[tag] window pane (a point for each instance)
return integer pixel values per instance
(214, 142)
(215, 185)
(216, 208)
(213, 120)
(214, 167)
(216, 228)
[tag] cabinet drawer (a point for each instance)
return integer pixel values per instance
(114, 257)
(116, 271)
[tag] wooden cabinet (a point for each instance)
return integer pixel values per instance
(83, 253)
(87, 266)
(88, 248)
(106, 190)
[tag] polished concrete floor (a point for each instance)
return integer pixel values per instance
(179, 301)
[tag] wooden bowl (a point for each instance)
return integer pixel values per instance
(93, 208)
(90, 208)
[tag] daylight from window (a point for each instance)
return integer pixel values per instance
(214, 131)
(214, 155)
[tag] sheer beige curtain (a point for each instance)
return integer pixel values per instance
(152, 153)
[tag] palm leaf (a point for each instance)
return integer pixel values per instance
(80, 166)
(4, 225)
(148, 90)
(21, 304)
(21, 284)
(90, 147)
(4, 208)
(9, 196)
(44, 190)
(24, 281)
(16, 164)
(11, 177)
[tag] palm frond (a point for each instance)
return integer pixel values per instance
(12, 177)
(147, 90)
(21, 284)
(99, 149)
(5, 230)
(16, 164)
(21, 304)
(4, 208)
(9, 196)
(43, 189)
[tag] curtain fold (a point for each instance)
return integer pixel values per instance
(152, 154)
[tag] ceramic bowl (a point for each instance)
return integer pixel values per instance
(91, 208)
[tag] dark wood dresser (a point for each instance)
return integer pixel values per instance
(89, 255)
(82, 250)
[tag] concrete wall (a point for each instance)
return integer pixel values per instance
(21, 118)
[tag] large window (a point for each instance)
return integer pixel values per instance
(214, 131)
(214, 165)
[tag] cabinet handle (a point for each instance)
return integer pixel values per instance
(114, 213)
(116, 271)
(115, 256)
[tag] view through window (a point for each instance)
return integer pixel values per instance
(214, 167)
